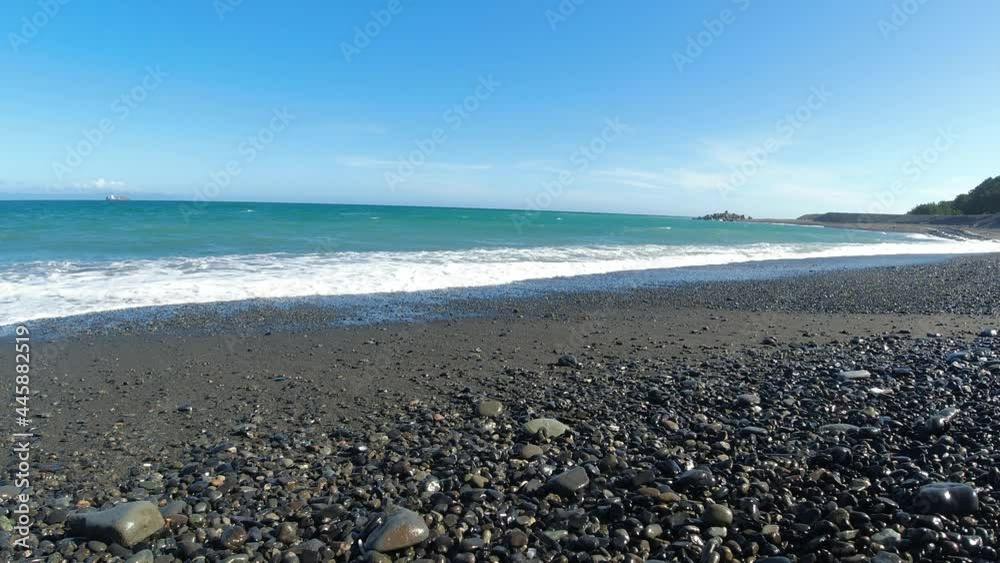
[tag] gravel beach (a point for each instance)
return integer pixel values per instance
(839, 416)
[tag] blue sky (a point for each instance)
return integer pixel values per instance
(773, 108)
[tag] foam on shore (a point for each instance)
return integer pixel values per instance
(57, 289)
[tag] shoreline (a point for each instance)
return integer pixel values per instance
(455, 302)
(958, 227)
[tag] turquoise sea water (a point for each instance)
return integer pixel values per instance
(70, 257)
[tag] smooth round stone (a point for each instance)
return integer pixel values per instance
(887, 538)
(400, 530)
(886, 557)
(490, 408)
(568, 361)
(959, 356)
(652, 531)
(57, 516)
(556, 535)
(941, 420)
(838, 428)
(530, 451)
(233, 537)
(8, 492)
(173, 508)
(126, 524)
(569, 482)
(286, 533)
(947, 498)
(748, 399)
(717, 515)
(550, 426)
(470, 545)
(517, 539)
(697, 477)
(144, 556)
(854, 375)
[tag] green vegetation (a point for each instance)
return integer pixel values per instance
(724, 216)
(984, 198)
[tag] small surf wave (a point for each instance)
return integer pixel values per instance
(37, 290)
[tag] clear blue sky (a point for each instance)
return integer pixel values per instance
(921, 84)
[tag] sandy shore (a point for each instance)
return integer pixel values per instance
(118, 409)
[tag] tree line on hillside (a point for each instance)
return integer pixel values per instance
(724, 216)
(984, 198)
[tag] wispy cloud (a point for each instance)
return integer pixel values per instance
(366, 162)
(541, 166)
(666, 179)
(99, 184)
(373, 129)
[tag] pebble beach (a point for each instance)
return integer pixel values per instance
(839, 416)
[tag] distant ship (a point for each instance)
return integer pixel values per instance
(116, 198)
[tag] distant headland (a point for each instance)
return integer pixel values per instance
(724, 216)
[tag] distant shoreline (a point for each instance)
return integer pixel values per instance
(983, 227)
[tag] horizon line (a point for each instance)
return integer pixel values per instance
(416, 206)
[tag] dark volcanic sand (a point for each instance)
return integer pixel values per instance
(654, 394)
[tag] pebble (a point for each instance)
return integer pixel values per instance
(759, 454)
(547, 426)
(490, 408)
(144, 556)
(567, 361)
(946, 498)
(530, 451)
(233, 537)
(717, 515)
(887, 538)
(570, 482)
(855, 375)
(126, 524)
(402, 529)
(695, 478)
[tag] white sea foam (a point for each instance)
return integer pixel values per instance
(55, 289)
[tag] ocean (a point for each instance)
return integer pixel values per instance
(62, 258)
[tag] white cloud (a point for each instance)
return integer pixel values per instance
(366, 162)
(543, 166)
(100, 184)
(669, 178)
